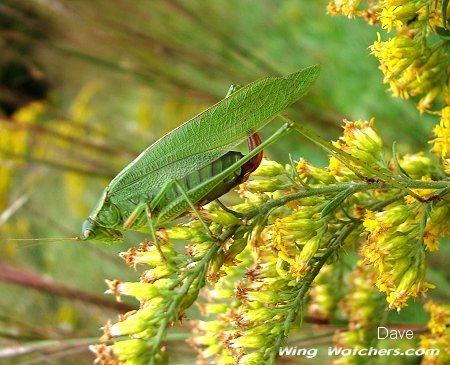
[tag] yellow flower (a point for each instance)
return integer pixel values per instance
(439, 336)
(348, 8)
(397, 12)
(442, 131)
(306, 169)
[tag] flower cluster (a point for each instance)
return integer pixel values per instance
(252, 273)
(441, 144)
(164, 291)
(396, 245)
(213, 336)
(413, 62)
(250, 327)
(439, 334)
(361, 141)
(325, 294)
(360, 305)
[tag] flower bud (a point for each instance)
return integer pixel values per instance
(129, 350)
(269, 168)
(141, 320)
(249, 341)
(179, 233)
(222, 217)
(262, 186)
(141, 291)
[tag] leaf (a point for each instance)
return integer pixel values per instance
(443, 33)
(444, 13)
(336, 202)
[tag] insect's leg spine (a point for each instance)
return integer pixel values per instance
(148, 214)
(196, 212)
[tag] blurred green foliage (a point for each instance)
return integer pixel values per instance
(107, 79)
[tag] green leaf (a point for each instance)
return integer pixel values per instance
(336, 202)
(443, 33)
(444, 12)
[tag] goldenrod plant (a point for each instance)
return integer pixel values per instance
(307, 254)
(414, 57)
(293, 225)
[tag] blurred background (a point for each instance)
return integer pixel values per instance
(86, 86)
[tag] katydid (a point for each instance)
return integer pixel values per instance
(194, 164)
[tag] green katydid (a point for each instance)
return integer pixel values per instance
(193, 164)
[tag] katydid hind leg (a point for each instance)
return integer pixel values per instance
(253, 141)
(195, 210)
(254, 158)
(228, 210)
(151, 227)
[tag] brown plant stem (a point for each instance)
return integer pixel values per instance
(12, 275)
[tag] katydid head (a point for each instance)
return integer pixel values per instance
(91, 230)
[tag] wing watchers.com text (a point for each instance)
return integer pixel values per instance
(341, 351)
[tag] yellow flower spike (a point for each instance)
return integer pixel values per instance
(372, 224)
(139, 321)
(266, 296)
(441, 144)
(214, 308)
(349, 8)
(80, 110)
(262, 186)
(426, 102)
(30, 112)
(306, 169)
(301, 264)
(142, 291)
(254, 358)
(411, 284)
(235, 249)
(439, 336)
(220, 292)
(417, 165)
(158, 272)
(269, 168)
(283, 256)
(249, 341)
(395, 215)
(361, 135)
(281, 268)
(439, 323)
(447, 166)
(179, 233)
(209, 326)
(399, 268)
(396, 54)
(214, 269)
(205, 340)
(127, 350)
(198, 249)
(212, 350)
(437, 225)
(148, 254)
(395, 13)
(221, 217)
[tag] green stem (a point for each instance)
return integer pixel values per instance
(304, 287)
(341, 155)
(199, 270)
(330, 189)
